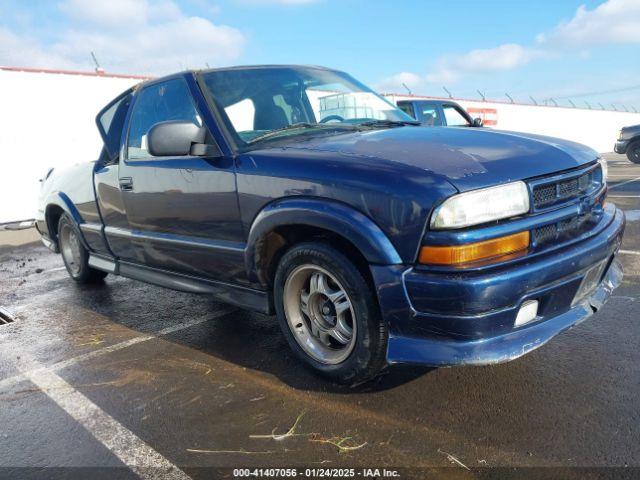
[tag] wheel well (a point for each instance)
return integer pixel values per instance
(52, 217)
(274, 245)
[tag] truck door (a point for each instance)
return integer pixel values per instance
(182, 212)
(111, 121)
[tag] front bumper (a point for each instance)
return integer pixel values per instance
(473, 314)
(621, 146)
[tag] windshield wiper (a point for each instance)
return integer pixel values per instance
(388, 123)
(293, 126)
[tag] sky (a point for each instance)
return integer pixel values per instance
(579, 51)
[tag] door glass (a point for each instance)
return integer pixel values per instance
(111, 122)
(454, 117)
(430, 116)
(156, 103)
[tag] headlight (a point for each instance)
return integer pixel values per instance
(605, 169)
(481, 206)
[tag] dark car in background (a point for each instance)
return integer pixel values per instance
(298, 191)
(438, 113)
(629, 143)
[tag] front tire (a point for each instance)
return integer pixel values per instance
(74, 255)
(633, 152)
(329, 314)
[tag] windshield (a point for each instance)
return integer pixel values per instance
(259, 104)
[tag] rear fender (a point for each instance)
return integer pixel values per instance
(61, 200)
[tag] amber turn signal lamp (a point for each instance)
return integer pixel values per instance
(475, 252)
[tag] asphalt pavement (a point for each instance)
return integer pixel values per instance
(131, 380)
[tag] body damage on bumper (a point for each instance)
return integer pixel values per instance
(488, 338)
(502, 348)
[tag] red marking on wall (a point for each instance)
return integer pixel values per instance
(98, 73)
(489, 116)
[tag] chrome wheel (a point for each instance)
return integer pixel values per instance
(70, 248)
(320, 314)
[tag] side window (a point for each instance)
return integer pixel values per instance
(110, 123)
(454, 117)
(156, 103)
(430, 115)
(406, 108)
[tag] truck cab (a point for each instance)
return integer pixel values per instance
(438, 113)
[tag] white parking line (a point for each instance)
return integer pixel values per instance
(146, 462)
(623, 196)
(623, 183)
(629, 252)
(7, 382)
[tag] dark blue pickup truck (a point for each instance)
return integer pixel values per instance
(298, 191)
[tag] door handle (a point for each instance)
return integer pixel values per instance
(126, 184)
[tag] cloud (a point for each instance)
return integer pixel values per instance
(398, 81)
(503, 57)
(119, 14)
(135, 36)
(450, 68)
(614, 21)
(24, 51)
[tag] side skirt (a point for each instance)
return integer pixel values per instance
(244, 297)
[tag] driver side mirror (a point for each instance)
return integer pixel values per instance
(179, 138)
(477, 122)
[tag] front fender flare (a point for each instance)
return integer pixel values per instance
(329, 215)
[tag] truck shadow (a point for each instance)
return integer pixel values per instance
(246, 339)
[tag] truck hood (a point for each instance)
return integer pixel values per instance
(468, 158)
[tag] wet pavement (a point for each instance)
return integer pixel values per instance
(127, 374)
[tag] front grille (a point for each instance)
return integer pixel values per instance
(545, 234)
(559, 190)
(562, 230)
(544, 195)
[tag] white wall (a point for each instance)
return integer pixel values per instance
(596, 128)
(47, 120)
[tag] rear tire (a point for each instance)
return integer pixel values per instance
(74, 255)
(633, 152)
(329, 314)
